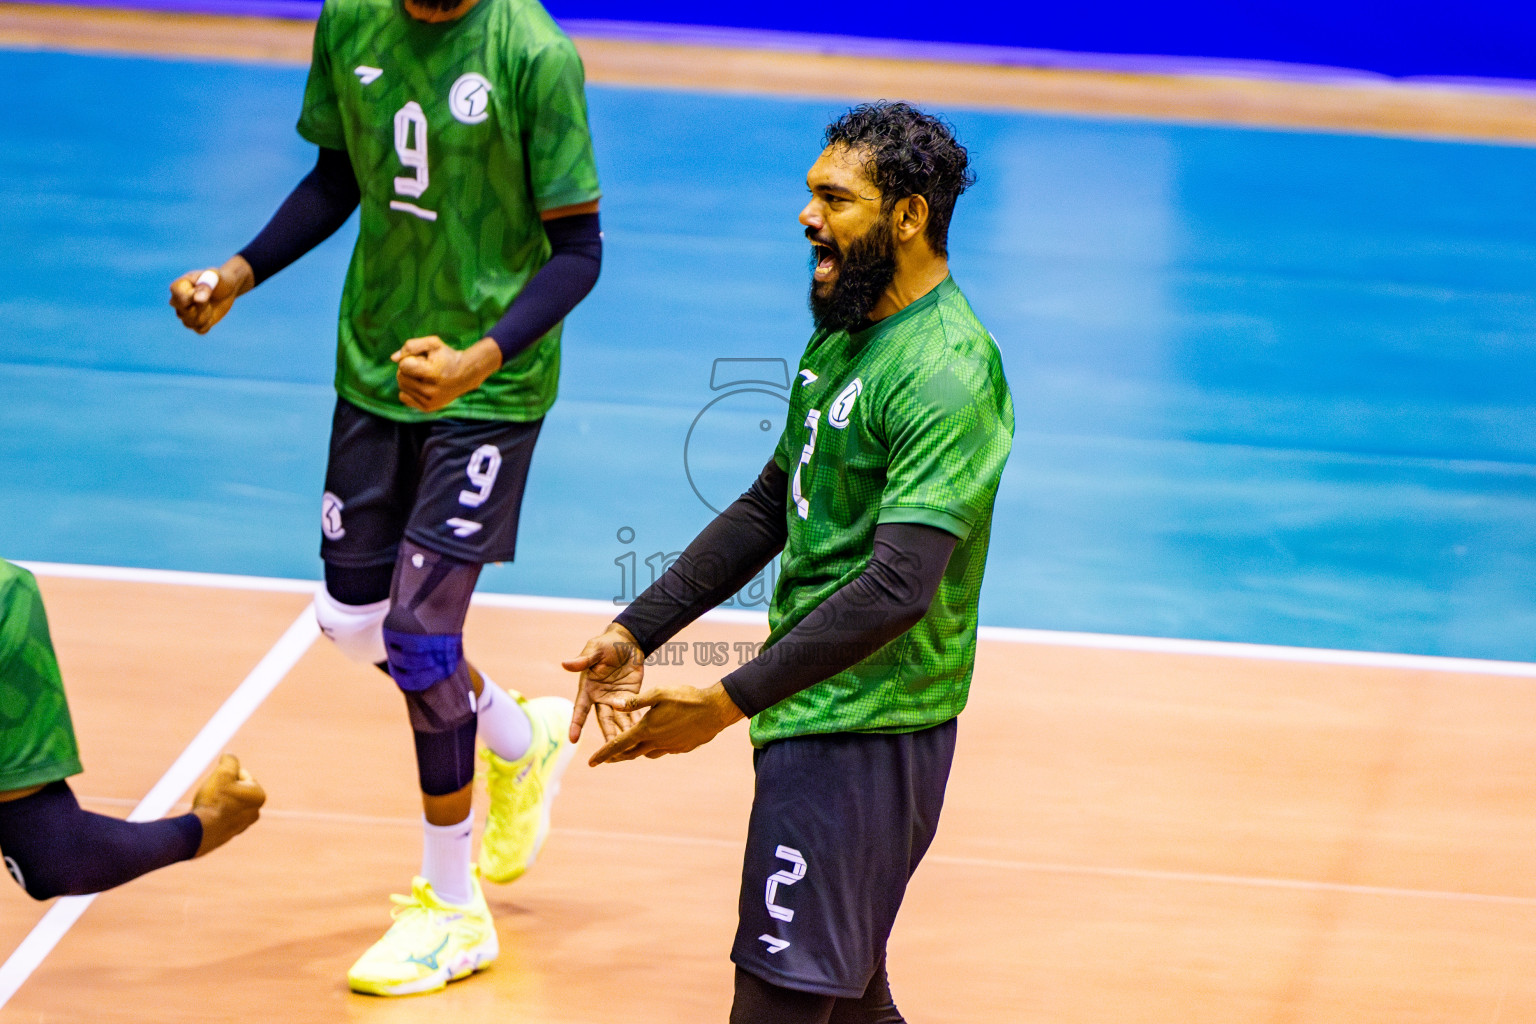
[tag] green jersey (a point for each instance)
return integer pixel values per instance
(37, 740)
(907, 421)
(460, 133)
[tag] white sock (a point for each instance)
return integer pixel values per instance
(445, 853)
(503, 725)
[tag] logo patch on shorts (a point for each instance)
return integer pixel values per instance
(470, 98)
(463, 527)
(330, 517)
(15, 870)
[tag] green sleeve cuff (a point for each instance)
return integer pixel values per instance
(569, 197)
(925, 515)
(325, 140)
(40, 774)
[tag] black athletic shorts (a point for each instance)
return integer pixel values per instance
(452, 486)
(839, 823)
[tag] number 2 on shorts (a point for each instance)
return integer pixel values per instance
(794, 874)
(482, 470)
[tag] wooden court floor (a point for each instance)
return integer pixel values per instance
(1128, 837)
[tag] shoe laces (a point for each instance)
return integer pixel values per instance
(406, 907)
(403, 905)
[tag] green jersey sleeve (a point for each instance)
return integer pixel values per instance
(37, 739)
(553, 112)
(320, 120)
(781, 451)
(948, 440)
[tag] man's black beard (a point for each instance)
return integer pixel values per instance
(866, 270)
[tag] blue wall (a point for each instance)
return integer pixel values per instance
(1409, 37)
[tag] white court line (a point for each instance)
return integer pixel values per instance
(200, 753)
(1243, 881)
(1258, 652)
(1042, 637)
(221, 581)
(607, 609)
(629, 839)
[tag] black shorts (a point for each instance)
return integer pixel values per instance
(451, 486)
(839, 823)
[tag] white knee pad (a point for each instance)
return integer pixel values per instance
(356, 629)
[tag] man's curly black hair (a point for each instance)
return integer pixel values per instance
(906, 153)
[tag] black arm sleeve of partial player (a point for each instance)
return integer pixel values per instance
(722, 559)
(61, 850)
(862, 616)
(575, 258)
(313, 211)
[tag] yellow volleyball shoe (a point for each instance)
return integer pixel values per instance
(521, 791)
(430, 944)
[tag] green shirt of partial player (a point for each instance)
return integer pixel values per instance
(37, 739)
(460, 133)
(908, 421)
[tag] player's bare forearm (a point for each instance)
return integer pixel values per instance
(202, 297)
(431, 373)
(679, 719)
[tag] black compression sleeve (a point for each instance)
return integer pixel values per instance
(762, 1002)
(722, 559)
(313, 211)
(61, 850)
(575, 258)
(868, 612)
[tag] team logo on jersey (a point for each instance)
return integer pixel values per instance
(330, 517)
(366, 74)
(843, 407)
(470, 98)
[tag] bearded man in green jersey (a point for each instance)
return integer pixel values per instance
(460, 128)
(880, 497)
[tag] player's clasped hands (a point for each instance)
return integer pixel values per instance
(675, 720)
(612, 668)
(668, 720)
(432, 373)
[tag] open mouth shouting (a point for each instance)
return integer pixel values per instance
(848, 280)
(826, 260)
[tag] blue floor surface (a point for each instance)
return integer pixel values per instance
(1271, 386)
